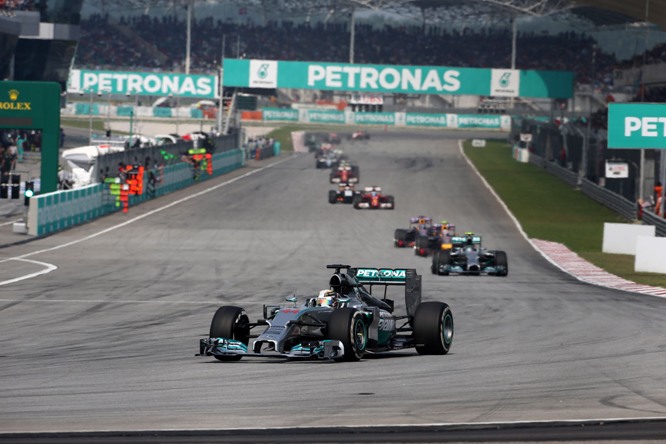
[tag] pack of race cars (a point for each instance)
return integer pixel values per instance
(347, 321)
(346, 176)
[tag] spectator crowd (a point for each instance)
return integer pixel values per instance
(400, 45)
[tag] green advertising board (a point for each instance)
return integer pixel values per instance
(325, 116)
(637, 125)
(35, 106)
(397, 79)
(280, 114)
(374, 118)
(424, 119)
(479, 121)
(143, 83)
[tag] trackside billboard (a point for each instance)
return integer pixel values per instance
(397, 79)
(143, 83)
(636, 125)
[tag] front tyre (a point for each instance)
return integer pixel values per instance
(433, 328)
(231, 323)
(348, 326)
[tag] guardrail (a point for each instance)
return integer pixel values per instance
(52, 212)
(621, 205)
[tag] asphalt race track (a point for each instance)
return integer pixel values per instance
(106, 341)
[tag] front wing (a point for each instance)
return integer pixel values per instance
(323, 349)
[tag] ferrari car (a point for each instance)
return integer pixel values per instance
(372, 198)
(344, 194)
(359, 135)
(345, 173)
(436, 238)
(406, 237)
(468, 257)
(343, 322)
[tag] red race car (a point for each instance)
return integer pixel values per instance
(372, 198)
(345, 173)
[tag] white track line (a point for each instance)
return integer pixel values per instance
(131, 221)
(565, 259)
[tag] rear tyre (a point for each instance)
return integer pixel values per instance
(357, 200)
(434, 267)
(347, 326)
(332, 197)
(232, 323)
(400, 238)
(433, 328)
(502, 263)
(391, 200)
(421, 246)
(443, 259)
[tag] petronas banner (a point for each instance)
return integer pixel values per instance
(397, 79)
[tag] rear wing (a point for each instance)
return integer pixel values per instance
(457, 240)
(406, 277)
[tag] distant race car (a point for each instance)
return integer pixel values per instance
(437, 237)
(469, 258)
(342, 322)
(406, 237)
(372, 198)
(333, 138)
(345, 173)
(359, 135)
(344, 194)
(328, 158)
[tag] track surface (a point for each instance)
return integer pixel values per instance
(107, 341)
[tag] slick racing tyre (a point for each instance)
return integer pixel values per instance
(348, 326)
(433, 328)
(421, 246)
(434, 267)
(391, 200)
(502, 263)
(400, 238)
(332, 197)
(232, 323)
(443, 259)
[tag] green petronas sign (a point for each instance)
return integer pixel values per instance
(397, 79)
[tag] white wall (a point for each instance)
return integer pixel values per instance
(621, 238)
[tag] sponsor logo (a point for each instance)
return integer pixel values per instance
(263, 74)
(504, 83)
(147, 84)
(383, 78)
(387, 324)
(504, 80)
(373, 273)
(14, 104)
(648, 126)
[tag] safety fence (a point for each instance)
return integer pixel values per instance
(52, 212)
(621, 205)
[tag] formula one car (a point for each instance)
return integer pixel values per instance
(437, 237)
(469, 258)
(372, 198)
(359, 135)
(406, 237)
(343, 322)
(345, 173)
(344, 194)
(328, 158)
(333, 138)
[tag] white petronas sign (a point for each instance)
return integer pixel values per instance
(143, 83)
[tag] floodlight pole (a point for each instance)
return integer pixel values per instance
(189, 37)
(352, 36)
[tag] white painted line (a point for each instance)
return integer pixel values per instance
(47, 269)
(131, 221)
(8, 223)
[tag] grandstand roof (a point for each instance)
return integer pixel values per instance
(599, 12)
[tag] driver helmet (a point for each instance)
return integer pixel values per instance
(327, 298)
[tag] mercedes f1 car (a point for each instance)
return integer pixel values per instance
(469, 258)
(372, 198)
(343, 322)
(344, 194)
(406, 237)
(329, 158)
(345, 173)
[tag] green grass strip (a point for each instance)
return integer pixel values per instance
(549, 209)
